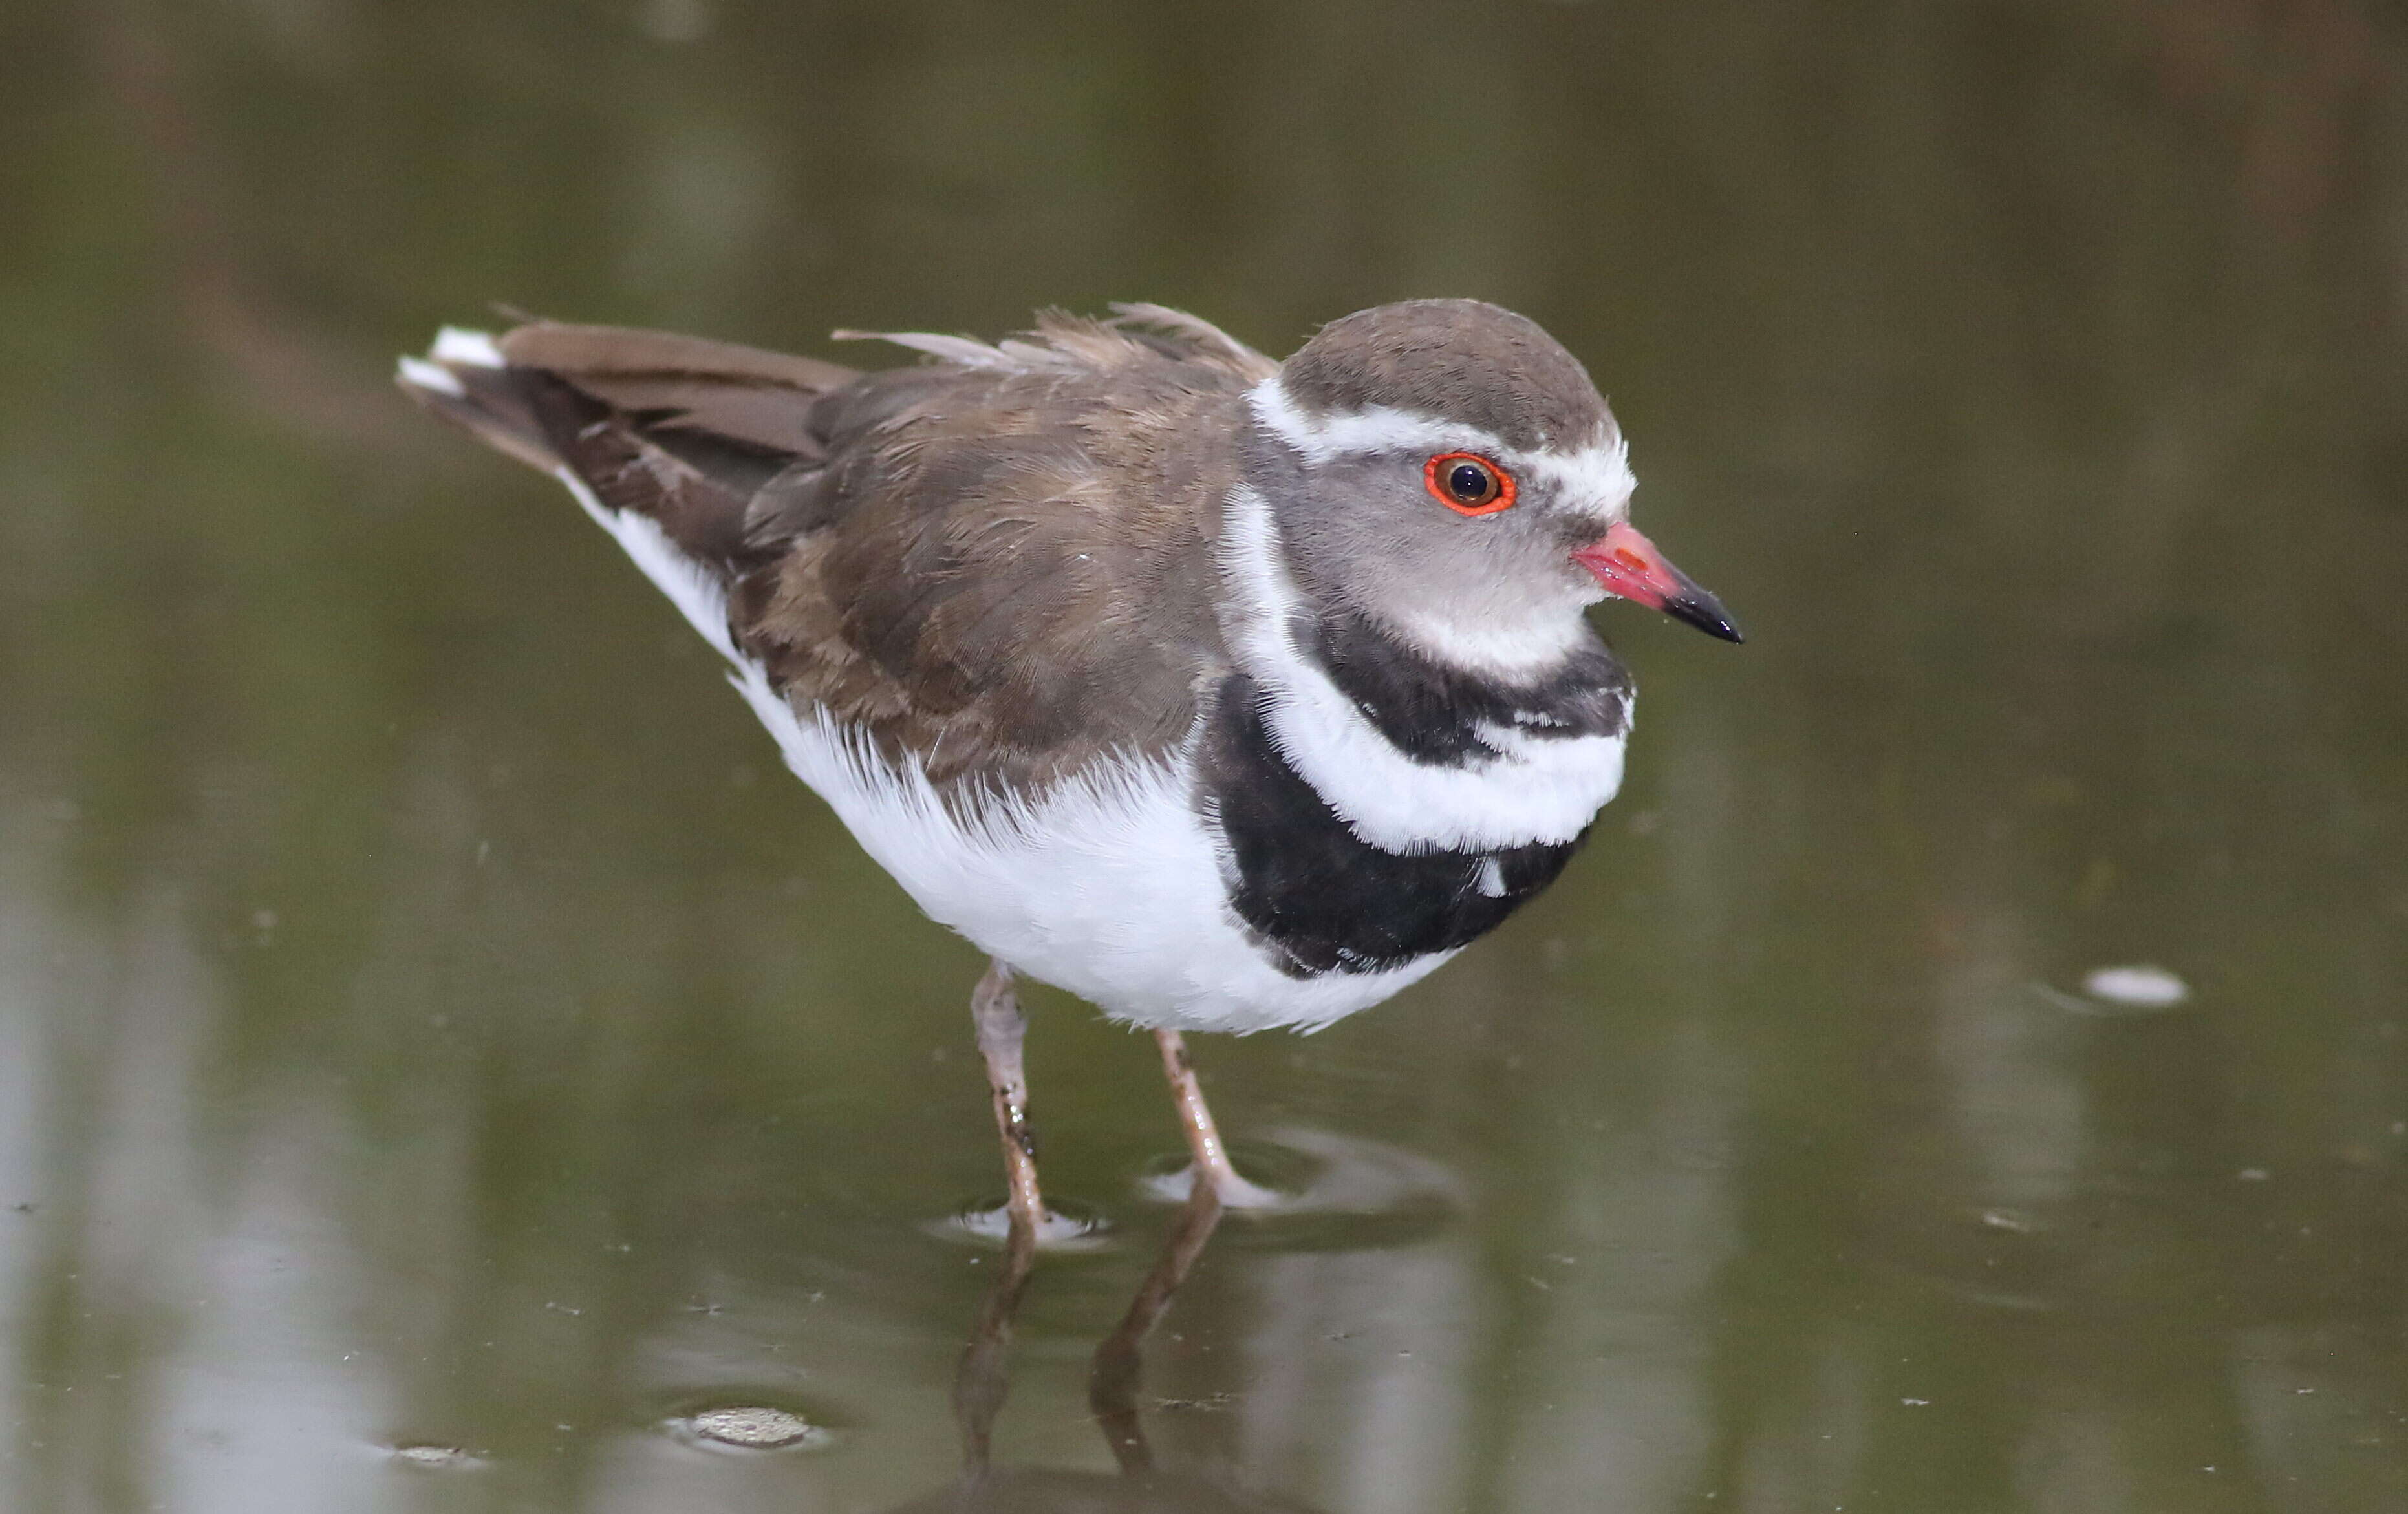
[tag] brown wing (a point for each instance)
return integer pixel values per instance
(996, 562)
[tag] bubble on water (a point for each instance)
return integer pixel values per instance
(436, 1458)
(2139, 986)
(750, 1427)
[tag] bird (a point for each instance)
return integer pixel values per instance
(1224, 692)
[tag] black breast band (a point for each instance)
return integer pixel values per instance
(1319, 896)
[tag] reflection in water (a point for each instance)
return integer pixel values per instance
(1114, 1375)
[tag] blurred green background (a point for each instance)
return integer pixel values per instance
(429, 1015)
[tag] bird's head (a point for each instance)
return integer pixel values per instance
(1446, 468)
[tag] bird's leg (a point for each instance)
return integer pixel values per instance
(994, 1010)
(1203, 1136)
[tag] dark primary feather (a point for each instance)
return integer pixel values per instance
(980, 561)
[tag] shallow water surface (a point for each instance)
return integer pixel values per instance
(445, 1064)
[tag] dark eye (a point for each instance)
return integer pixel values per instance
(1467, 484)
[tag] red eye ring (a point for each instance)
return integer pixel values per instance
(1442, 473)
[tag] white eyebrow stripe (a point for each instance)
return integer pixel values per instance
(1598, 476)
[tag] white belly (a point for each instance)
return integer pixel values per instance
(1113, 887)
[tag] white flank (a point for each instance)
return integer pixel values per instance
(1595, 479)
(1110, 886)
(1533, 789)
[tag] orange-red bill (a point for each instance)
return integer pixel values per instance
(1630, 567)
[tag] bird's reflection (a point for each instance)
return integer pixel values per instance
(1140, 1487)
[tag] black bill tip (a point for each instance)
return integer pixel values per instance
(1704, 611)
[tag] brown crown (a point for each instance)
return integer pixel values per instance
(1454, 359)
